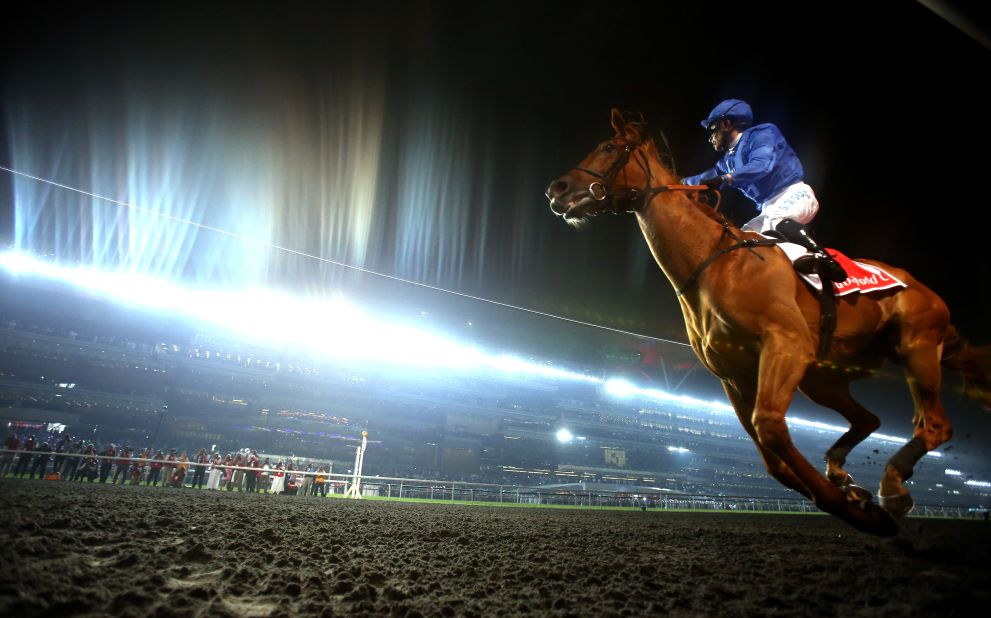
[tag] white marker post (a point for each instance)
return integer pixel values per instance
(354, 491)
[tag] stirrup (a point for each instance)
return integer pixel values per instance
(806, 264)
(822, 264)
(830, 269)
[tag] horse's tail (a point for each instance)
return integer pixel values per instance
(971, 363)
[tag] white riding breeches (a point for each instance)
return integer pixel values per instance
(796, 202)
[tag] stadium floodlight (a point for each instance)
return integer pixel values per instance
(951, 472)
(508, 364)
(978, 483)
(620, 388)
(678, 449)
(512, 364)
(564, 436)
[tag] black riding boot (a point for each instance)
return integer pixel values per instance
(817, 261)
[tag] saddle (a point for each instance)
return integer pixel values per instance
(861, 277)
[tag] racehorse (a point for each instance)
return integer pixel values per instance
(755, 325)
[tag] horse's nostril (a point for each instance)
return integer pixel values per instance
(557, 188)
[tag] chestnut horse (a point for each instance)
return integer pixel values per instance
(755, 325)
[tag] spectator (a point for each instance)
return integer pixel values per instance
(228, 470)
(251, 475)
(7, 459)
(72, 460)
(320, 483)
(123, 465)
(179, 475)
(278, 479)
(107, 462)
(216, 471)
(202, 459)
(265, 478)
(77, 470)
(238, 477)
(40, 463)
(169, 467)
(307, 480)
(289, 485)
(63, 445)
(138, 467)
(88, 468)
(155, 468)
(25, 457)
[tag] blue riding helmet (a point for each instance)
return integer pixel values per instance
(730, 108)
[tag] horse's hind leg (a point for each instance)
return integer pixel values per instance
(836, 395)
(932, 428)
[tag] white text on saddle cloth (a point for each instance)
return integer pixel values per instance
(862, 277)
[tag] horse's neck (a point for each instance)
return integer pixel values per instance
(679, 234)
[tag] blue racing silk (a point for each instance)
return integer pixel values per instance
(762, 164)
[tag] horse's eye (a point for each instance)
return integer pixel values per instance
(608, 148)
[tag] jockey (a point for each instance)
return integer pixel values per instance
(759, 162)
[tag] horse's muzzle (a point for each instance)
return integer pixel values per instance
(555, 192)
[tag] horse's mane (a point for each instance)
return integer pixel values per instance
(711, 212)
(635, 129)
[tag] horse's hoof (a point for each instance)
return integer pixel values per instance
(871, 519)
(858, 495)
(898, 506)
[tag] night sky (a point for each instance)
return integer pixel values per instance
(465, 112)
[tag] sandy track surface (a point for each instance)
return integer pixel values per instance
(80, 549)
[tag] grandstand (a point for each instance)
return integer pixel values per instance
(72, 361)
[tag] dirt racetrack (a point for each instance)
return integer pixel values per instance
(81, 549)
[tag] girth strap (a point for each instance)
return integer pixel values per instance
(827, 318)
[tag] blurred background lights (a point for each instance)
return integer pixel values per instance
(335, 328)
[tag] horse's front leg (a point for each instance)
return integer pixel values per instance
(785, 355)
(743, 403)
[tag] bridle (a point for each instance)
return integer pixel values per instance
(599, 189)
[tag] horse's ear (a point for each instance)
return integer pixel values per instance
(618, 123)
(632, 132)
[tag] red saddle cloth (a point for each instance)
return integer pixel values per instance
(862, 277)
